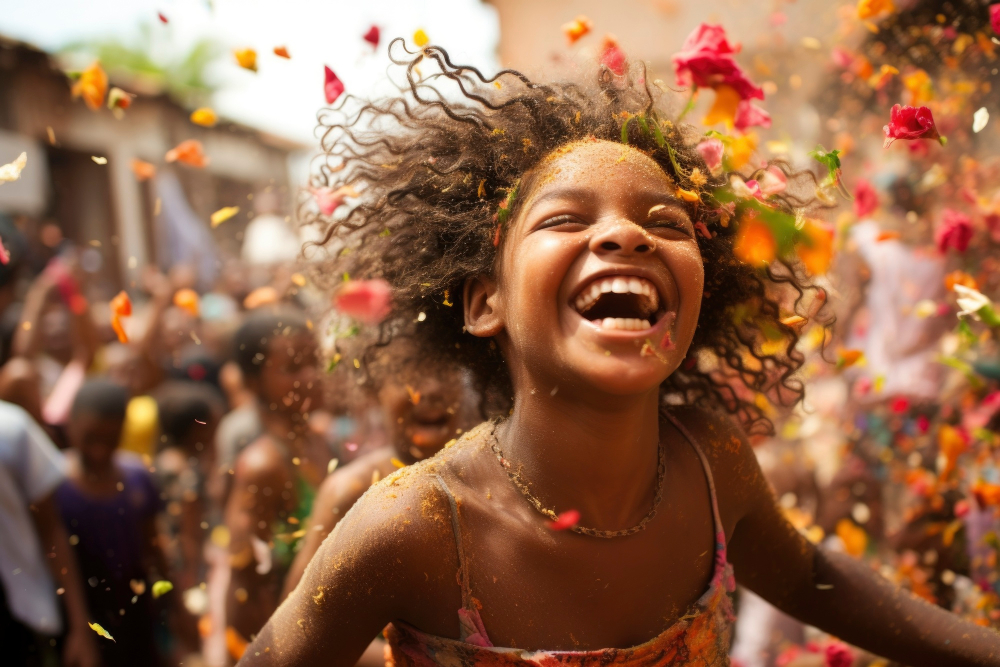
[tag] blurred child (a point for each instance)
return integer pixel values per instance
(274, 478)
(109, 504)
(424, 404)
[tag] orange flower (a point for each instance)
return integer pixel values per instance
(282, 52)
(188, 152)
(92, 86)
(871, 8)
(887, 236)
(246, 58)
(577, 28)
(143, 170)
(960, 278)
(755, 243)
(817, 251)
(724, 108)
(187, 299)
(952, 442)
(847, 358)
(120, 306)
(920, 87)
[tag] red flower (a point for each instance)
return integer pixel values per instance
(955, 231)
(838, 655)
(995, 18)
(865, 199)
(899, 405)
(612, 55)
(909, 123)
(332, 86)
(750, 115)
(372, 36)
(365, 300)
(706, 60)
(565, 520)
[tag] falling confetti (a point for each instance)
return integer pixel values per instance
(366, 300)
(98, 159)
(4, 254)
(577, 28)
(187, 300)
(143, 170)
(163, 19)
(92, 85)
(161, 587)
(120, 306)
(333, 87)
(420, 38)
(96, 627)
(188, 152)
(372, 36)
(332, 465)
(282, 52)
(204, 117)
(980, 119)
(12, 171)
(224, 214)
(246, 58)
(329, 199)
(119, 99)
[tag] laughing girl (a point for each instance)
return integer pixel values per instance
(563, 242)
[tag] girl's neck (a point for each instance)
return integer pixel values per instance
(597, 457)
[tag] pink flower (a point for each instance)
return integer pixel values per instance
(565, 520)
(329, 199)
(773, 181)
(711, 152)
(612, 55)
(332, 86)
(909, 123)
(842, 57)
(865, 199)
(995, 18)
(372, 36)
(706, 60)
(923, 424)
(365, 300)
(750, 115)
(838, 655)
(4, 255)
(955, 231)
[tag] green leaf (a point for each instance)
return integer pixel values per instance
(625, 131)
(829, 159)
(161, 587)
(644, 125)
(658, 135)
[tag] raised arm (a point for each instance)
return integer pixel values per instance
(837, 593)
(392, 557)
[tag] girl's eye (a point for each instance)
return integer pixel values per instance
(668, 226)
(562, 222)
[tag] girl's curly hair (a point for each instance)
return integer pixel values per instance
(437, 169)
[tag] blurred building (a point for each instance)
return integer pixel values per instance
(105, 207)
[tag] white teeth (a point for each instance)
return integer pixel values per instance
(624, 324)
(618, 285)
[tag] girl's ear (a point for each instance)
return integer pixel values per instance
(480, 298)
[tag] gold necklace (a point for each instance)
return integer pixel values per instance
(522, 486)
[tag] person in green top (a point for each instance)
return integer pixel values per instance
(275, 477)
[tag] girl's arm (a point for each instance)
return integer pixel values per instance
(391, 557)
(836, 593)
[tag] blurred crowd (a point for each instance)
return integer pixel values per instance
(169, 489)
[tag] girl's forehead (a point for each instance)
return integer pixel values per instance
(596, 158)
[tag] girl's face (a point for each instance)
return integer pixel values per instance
(600, 280)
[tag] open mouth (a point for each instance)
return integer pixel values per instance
(624, 303)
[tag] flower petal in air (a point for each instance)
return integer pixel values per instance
(366, 300)
(955, 231)
(143, 170)
(750, 115)
(161, 587)
(333, 87)
(188, 152)
(4, 255)
(223, 214)
(246, 58)
(565, 520)
(995, 18)
(816, 250)
(282, 52)
(910, 123)
(577, 28)
(12, 170)
(711, 152)
(612, 55)
(865, 199)
(329, 199)
(727, 102)
(96, 627)
(91, 86)
(372, 36)
(120, 306)
(204, 117)
(980, 119)
(755, 243)
(187, 300)
(119, 99)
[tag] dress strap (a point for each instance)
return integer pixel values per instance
(720, 533)
(463, 573)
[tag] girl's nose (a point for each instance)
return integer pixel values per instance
(621, 237)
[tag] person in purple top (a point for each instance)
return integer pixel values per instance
(109, 504)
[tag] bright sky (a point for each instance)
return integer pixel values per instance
(284, 95)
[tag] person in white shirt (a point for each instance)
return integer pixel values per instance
(35, 556)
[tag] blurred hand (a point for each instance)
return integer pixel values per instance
(80, 649)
